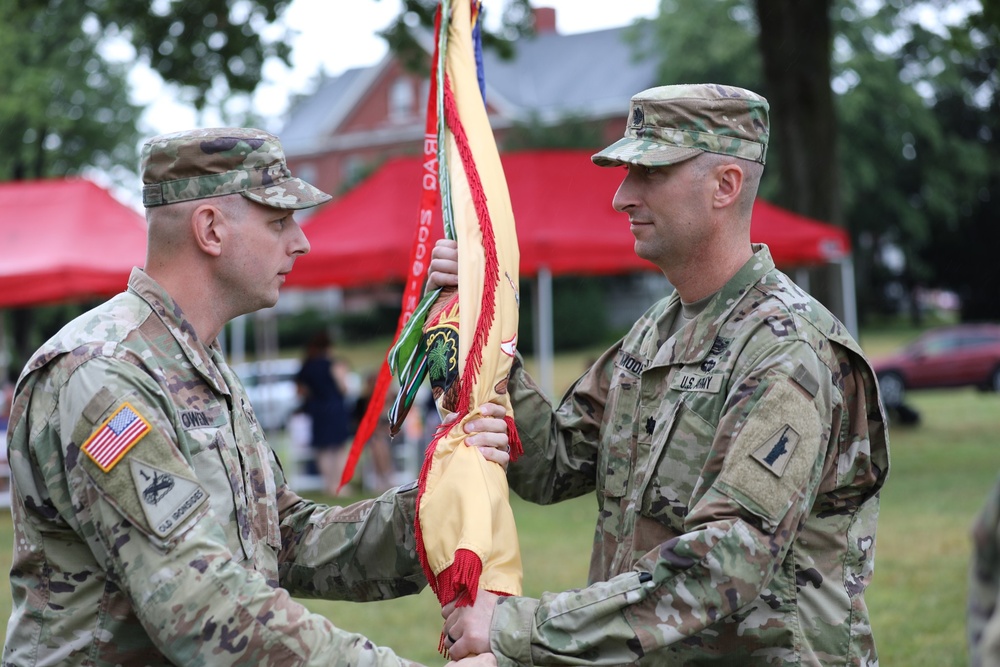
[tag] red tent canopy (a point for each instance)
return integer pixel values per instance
(796, 240)
(565, 222)
(65, 239)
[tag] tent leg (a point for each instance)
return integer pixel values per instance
(5, 357)
(849, 295)
(238, 340)
(802, 278)
(543, 330)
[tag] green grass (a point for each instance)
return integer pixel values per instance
(555, 546)
(941, 473)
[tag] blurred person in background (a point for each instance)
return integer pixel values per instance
(382, 468)
(6, 397)
(322, 386)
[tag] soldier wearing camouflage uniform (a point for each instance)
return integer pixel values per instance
(983, 621)
(734, 437)
(153, 524)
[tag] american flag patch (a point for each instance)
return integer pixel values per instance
(116, 436)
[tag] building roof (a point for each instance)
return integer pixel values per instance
(551, 76)
(318, 115)
(590, 74)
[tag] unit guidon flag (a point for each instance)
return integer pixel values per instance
(463, 340)
(465, 528)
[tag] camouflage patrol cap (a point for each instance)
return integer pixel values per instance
(197, 164)
(670, 124)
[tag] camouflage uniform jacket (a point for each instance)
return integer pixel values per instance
(983, 621)
(737, 466)
(186, 549)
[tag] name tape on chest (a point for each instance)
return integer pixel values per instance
(191, 419)
(694, 382)
(630, 363)
(113, 438)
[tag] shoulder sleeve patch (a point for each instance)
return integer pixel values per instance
(777, 450)
(166, 498)
(774, 454)
(141, 473)
(108, 444)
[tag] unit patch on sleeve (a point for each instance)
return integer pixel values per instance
(777, 450)
(166, 498)
(118, 434)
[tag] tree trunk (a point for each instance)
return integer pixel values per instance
(796, 45)
(40, 153)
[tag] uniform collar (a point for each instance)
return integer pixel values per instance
(200, 355)
(704, 335)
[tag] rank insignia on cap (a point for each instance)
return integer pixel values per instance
(638, 118)
(115, 437)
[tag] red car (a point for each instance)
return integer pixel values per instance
(951, 356)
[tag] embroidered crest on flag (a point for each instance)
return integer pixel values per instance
(441, 340)
(115, 437)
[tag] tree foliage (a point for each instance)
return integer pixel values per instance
(200, 45)
(417, 17)
(65, 104)
(879, 122)
(570, 132)
(958, 72)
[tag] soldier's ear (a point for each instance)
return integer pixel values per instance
(728, 185)
(208, 229)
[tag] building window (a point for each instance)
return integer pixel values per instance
(401, 100)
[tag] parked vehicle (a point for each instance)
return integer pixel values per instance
(951, 356)
(271, 388)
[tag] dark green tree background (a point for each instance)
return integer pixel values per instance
(879, 124)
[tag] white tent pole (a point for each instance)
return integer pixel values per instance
(849, 295)
(5, 356)
(238, 342)
(802, 278)
(543, 330)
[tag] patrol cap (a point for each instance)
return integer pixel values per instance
(670, 124)
(197, 164)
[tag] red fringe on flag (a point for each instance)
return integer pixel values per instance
(460, 580)
(492, 278)
(513, 439)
